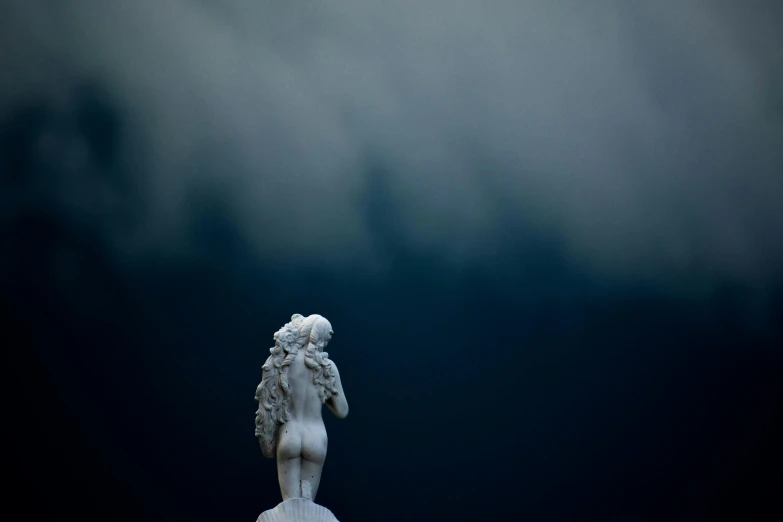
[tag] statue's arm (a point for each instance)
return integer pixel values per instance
(337, 403)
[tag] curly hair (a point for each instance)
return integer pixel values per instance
(273, 394)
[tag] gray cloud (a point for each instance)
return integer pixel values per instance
(647, 137)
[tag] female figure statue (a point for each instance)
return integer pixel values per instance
(298, 378)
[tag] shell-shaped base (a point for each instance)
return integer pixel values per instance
(297, 510)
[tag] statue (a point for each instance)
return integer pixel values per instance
(298, 378)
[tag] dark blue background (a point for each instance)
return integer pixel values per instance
(525, 388)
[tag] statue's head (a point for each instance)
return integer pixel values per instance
(318, 331)
(301, 331)
(321, 333)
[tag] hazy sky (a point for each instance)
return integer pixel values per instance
(647, 137)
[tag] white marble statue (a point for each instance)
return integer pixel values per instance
(298, 378)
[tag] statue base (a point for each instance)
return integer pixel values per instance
(297, 510)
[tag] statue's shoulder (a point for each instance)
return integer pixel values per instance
(331, 364)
